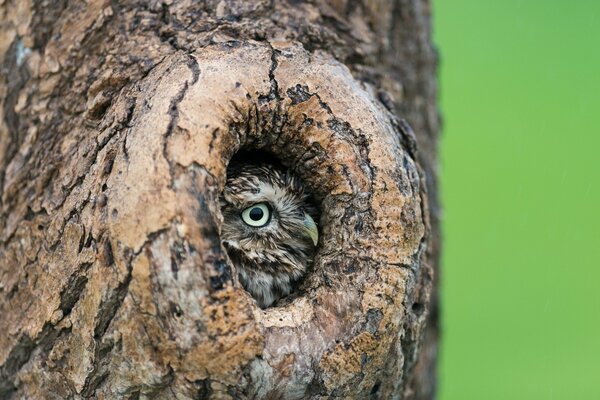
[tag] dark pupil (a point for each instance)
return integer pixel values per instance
(256, 214)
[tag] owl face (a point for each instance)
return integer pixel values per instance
(268, 229)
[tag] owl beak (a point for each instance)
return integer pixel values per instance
(311, 228)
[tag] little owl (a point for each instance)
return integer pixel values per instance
(268, 229)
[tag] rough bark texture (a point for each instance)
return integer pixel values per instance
(117, 120)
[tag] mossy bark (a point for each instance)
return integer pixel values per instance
(117, 122)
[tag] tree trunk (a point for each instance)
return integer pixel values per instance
(117, 122)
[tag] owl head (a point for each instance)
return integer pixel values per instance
(269, 229)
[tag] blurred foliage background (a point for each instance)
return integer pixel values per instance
(520, 99)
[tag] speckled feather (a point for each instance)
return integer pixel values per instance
(271, 259)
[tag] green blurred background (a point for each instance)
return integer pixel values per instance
(520, 99)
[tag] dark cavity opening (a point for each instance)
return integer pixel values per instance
(235, 231)
(256, 157)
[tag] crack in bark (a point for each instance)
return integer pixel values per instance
(22, 351)
(274, 91)
(98, 372)
(173, 111)
(106, 313)
(109, 307)
(16, 78)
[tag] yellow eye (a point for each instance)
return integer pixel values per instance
(257, 215)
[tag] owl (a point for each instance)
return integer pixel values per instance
(269, 229)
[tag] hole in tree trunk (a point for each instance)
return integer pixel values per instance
(270, 226)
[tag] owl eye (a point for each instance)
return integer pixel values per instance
(257, 215)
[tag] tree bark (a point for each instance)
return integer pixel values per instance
(117, 122)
